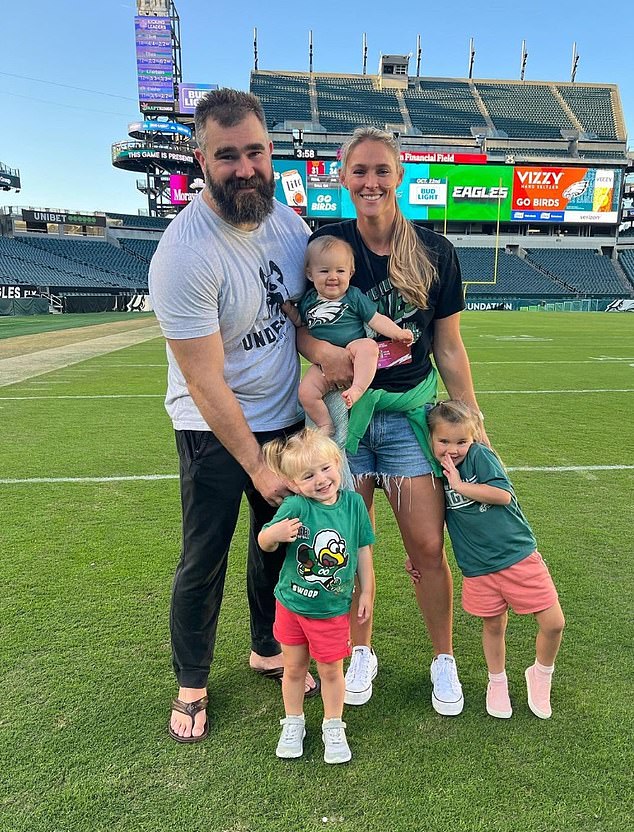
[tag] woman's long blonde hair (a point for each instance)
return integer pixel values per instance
(411, 269)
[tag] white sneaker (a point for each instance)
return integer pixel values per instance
(446, 697)
(336, 748)
(291, 742)
(362, 670)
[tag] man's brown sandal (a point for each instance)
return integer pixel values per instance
(190, 709)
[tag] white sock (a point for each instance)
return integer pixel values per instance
(544, 668)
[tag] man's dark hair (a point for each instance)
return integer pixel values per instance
(227, 107)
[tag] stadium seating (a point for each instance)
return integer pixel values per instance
(524, 110)
(593, 108)
(24, 264)
(143, 249)
(514, 275)
(443, 108)
(284, 97)
(345, 103)
(100, 255)
(587, 271)
(626, 260)
(137, 221)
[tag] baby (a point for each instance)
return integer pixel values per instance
(336, 312)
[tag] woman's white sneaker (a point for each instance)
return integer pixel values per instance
(291, 744)
(362, 670)
(336, 748)
(446, 696)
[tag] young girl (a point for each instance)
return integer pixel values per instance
(328, 535)
(336, 312)
(496, 551)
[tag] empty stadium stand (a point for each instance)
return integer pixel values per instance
(626, 261)
(345, 103)
(593, 107)
(284, 97)
(456, 108)
(138, 221)
(21, 263)
(99, 255)
(515, 276)
(586, 271)
(443, 108)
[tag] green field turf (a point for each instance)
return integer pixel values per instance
(84, 648)
(10, 327)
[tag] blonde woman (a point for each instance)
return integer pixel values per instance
(413, 276)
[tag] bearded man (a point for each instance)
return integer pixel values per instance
(218, 278)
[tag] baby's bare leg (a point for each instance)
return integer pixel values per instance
(312, 389)
(365, 354)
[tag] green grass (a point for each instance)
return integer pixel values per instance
(10, 327)
(84, 649)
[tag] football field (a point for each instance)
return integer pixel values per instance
(90, 538)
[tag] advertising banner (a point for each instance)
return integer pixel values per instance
(290, 185)
(155, 71)
(458, 192)
(62, 218)
(172, 128)
(190, 94)
(451, 158)
(134, 151)
(566, 195)
(184, 187)
(8, 180)
(13, 292)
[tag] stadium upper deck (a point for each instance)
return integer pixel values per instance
(527, 119)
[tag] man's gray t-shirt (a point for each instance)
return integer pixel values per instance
(208, 276)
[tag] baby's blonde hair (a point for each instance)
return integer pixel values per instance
(321, 244)
(456, 412)
(289, 458)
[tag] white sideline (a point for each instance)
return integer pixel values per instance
(546, 469)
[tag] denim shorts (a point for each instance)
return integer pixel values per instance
(389, 448)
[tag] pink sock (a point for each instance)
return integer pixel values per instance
(497, 677)
(542, 668)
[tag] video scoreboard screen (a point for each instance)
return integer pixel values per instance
(462, 192)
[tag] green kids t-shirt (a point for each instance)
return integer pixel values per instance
(317, 576)
(486, 538)
(337, 321)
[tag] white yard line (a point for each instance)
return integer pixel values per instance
(547, 469)
(100, 396)
(479, 392)
(544, 392)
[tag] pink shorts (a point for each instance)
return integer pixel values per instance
(328, 639)
(526, 587)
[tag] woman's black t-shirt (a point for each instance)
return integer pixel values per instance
(371, 277)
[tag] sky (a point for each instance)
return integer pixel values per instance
(68, 82)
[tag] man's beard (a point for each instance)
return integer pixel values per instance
(240, 207)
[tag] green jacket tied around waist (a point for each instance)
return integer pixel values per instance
(412, 403)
